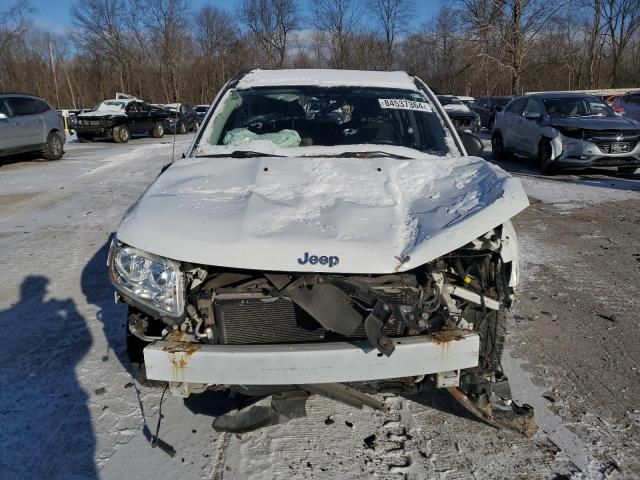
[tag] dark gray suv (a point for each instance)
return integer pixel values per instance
(29, 124)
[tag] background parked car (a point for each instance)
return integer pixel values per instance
(566, 130)
(182, 119)
(462, 117)
(201, 111)
(119, 118)
(487, 107)
(29, 124)
(468, 101)
(628, 105)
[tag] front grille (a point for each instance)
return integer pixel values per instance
(616, 147)
(611, 135)
(279, 320)
(89, 123)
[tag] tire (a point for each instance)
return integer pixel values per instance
(493, 332)
(183, 129)
(497, 148)
(627, 170)
(53, 149)
(120, 134)
(158, 131)
(546, 164)
(84, 138)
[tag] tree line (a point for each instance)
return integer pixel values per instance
(165, 51)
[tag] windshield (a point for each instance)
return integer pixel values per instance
(313, 116)
(112, 106)
(501, 102)
(450, 101)
(577, 107)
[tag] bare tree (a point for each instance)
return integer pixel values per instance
(622, 18)
(392, 18)
(271, 22)
(215, 35)
(14, 22)
(339, 21)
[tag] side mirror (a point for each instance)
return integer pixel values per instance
(472, 144)
(532, 116)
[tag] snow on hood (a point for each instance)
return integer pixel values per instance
(115, 107)
(377, 215)
(455, 107)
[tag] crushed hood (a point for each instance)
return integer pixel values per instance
(596, 123)
(373, 215)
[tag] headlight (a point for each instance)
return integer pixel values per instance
(153, 282)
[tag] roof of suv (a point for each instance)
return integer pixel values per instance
(10, 94)
(559, 95)
(325, 78)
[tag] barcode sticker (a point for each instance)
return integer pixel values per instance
(399, 104)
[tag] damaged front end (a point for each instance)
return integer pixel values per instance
(258, 332)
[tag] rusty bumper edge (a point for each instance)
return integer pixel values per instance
(311, 362)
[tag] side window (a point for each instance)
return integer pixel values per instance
(40, 106)
(141, 107)
(532, 107)
(516, 106)
(634, 99)
(482, 102)
(131, 108)
(22, 106)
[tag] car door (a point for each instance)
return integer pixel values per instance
(512, 125)
(32, 124)
(531, 127)
(10, 127)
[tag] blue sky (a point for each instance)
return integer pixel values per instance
(56, 15)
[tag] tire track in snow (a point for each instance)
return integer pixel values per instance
(218, 467)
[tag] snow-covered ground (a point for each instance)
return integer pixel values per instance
(69, 409)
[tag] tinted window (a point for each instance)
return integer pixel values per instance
(501, 102)
(516, 106)
(634, 99)
(27, 106)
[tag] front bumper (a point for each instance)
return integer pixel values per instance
(299, 364)
(581, 153)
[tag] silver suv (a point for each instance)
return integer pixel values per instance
(29, 124)
(570, 130)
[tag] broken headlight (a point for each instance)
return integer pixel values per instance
(151, 281)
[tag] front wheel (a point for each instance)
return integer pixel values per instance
(158, 131)
(547, 166)
(120, 134)
(53, 148)
(497, 148)
(627, 170)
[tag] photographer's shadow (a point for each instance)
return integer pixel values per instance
(45, 425)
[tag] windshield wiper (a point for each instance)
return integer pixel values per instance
(238, 154)
(371, 154)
